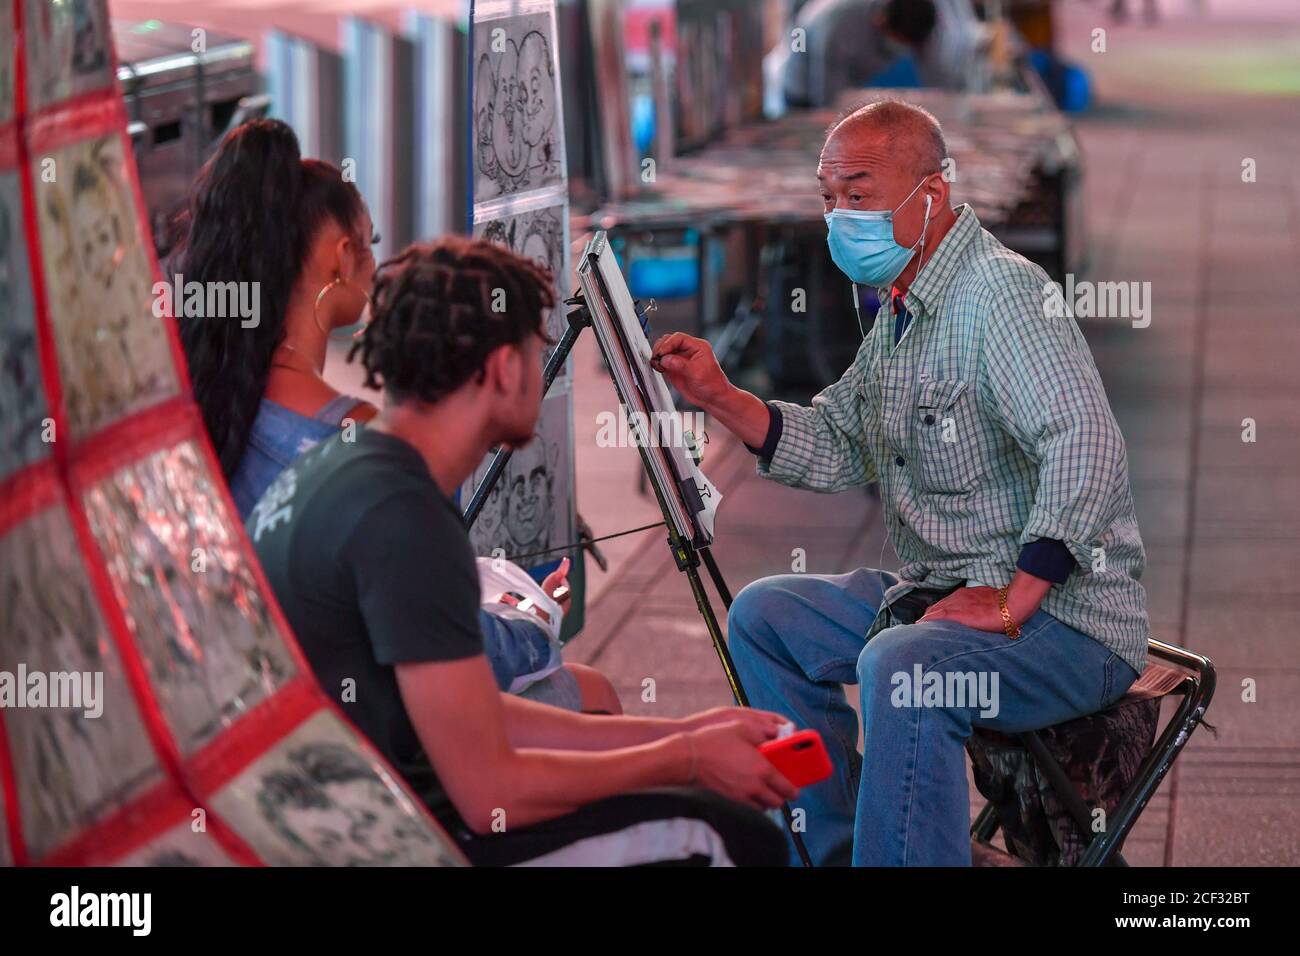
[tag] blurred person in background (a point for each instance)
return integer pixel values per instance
(848, 43)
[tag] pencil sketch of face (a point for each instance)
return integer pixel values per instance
(516, 106)
(204, 632)
(71, 769)
(320, 797)
(97, 229)
(113, 353)
(530, 503)
(88, 38)
(488, 531)
(508, 114)
(539, 235)
(327, 801)
(537, 88)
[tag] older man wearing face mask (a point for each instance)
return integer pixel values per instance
(975, 403)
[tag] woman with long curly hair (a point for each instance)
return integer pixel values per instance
(260, 213)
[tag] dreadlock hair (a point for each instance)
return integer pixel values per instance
(440, 309)
(254, 211)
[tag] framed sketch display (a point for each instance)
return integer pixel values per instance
(520, 200)
(147, 677)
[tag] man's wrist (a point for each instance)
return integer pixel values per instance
(742, 413)
(685, 759)
(1025, 594)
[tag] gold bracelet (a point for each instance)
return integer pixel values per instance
(1009, 626)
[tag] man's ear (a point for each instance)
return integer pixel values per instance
(937, 188)
(502, 370)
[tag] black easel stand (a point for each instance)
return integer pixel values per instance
(685, 554)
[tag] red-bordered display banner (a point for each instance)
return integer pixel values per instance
(154, 706)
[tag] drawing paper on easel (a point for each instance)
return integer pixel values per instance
(690, 498)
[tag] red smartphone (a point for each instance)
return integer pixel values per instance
(801, 757)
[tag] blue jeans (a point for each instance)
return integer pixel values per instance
(517, 649)
(797, 638)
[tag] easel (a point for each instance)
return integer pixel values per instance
(686, 554)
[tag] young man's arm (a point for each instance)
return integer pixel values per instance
(417, 587)
(530, 723)
(461, 722)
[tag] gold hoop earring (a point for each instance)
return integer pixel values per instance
(337, 282)
(320, 297)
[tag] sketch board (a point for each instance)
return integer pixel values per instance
(691, 499)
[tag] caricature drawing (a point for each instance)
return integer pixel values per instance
(111, 353)
(516, 133)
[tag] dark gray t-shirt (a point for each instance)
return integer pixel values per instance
(372, 566)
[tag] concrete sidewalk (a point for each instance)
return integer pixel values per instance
(1180, 106)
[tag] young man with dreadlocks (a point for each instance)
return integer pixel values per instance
(370, 561)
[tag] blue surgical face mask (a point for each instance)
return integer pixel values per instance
(862, 243)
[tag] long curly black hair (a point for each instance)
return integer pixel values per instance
(254, 210)
(440, 308)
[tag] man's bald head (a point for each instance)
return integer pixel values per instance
(913, 133)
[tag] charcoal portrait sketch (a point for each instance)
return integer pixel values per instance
(530, 509)
(518, 134)
(72, 769)
(538, 234)
(316, 799)
(67, 48)
(203, 628)
(113, 355)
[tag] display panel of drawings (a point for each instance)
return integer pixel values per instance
(531, 505)
(125, 578)
(540, 234)
(518, 124)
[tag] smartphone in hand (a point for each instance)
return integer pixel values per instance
(801, 757)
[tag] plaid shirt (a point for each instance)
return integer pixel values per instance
(987, 427)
